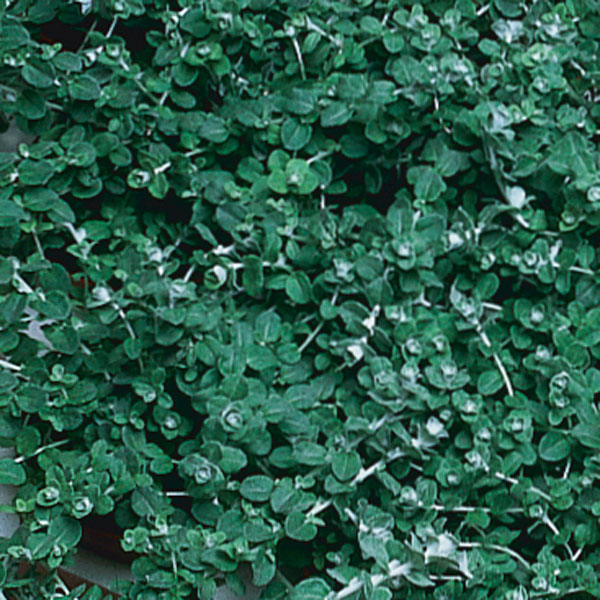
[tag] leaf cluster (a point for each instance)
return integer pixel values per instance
(309, 286)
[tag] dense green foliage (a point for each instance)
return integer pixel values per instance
(310, 285)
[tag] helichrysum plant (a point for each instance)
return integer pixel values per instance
(306, 286)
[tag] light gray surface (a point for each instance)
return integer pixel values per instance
(12, 137)
(8, 522)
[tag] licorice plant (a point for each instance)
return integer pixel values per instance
(309, 287)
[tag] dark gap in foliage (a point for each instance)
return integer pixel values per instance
(292, 552)
(133, 33)
(64, 258)
(174, 209)
(102, 535)
(69, 35)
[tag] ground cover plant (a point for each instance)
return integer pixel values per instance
(309, 286)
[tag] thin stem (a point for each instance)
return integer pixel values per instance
(129, 329)
(140, 85)
(10, 366)
(78, 234)
(583, 270)
(318, 156)
(491, 306)
(318, 328)
(551, 525)
(312, 27)
(466, 509)
(483, 10)
(288, 584)
(20, 459)
(516, 482)
(507, 382)
(509, 551)
(319, 507)
(299, 57)
(23, 285)
(366, 473)
(351, 588)
(87, 35)
(486, 340)
(112, 26)
(311, 337)
(195, 152)
(128, 326)
(38, 244)
(396, 569)
(60, 584)
(189, 274)
(162, 168)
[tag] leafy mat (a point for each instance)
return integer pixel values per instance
(309, 285)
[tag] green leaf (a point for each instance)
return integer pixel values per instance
(278, 182)
(194, 21)
(35, 172)
(284, 497)
(10, 213)
(298, 288)
(81, 154)
(214, 130)
(64, 530)
(84, 88)
(299, 101)
(490, 382)
(11, 473)
(554, 447)
(61, 212)
(40, 199)
(345, 465)
(354, 146)
(393, 41)
(295, 135)
(252, 276)
(587, 434)
(31, 104)
(429, 185)
(509, 8)
(56, 305)
(336, 114)
(38, 74)
(310, 589)
(147, 502)
(257, 488)
(268, 326)
(261, 358)
(133, 348)
(298, 528)
(351, 86)
(309, 453)
(232, 459)
(28, 440)
(13, 308)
